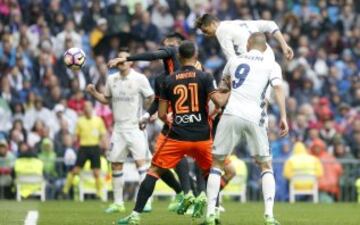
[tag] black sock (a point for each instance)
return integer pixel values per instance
(218, 200)
(169, 178)
(182, 170)
(200, 180)
(145, 191)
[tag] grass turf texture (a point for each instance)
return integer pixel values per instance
(92, 213)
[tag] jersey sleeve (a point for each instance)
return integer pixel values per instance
(264, 25)
(225, 41)
(275, 78)
(164, 91)
(107, 91)
(210, 84)
(149, 56)
(145, 87)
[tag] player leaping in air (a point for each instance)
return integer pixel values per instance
(187, 92)
(244, 119)
(233, 34)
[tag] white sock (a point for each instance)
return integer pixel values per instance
(212, 190)
(268, 188)
(142, 173)
(118, 186)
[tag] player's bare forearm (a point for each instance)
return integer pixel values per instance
(162, 112)
(97, 95)
(148, 101)
(280, 100)
(288, 52)
(220, 99)
(225, 84)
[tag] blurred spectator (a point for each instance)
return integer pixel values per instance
(98, 32)
(39, 113)
(67, 34)
(329, 185)
(118, 19)
(146, 30)
(7, 161)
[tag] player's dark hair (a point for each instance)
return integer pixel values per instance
(187, 50)
(176, 35)
(205, 20)
(124, 49)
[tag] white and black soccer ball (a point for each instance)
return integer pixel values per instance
(74, 58)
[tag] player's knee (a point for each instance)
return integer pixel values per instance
(265, 165)
(116, 166)
(230, 171)
(140, 163)
(154, 170)
(218, 161)
(96, 173)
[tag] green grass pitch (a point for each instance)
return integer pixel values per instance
(92, 213)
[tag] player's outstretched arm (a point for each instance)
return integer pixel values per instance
(280, 100)
(162, 112)
(97, 95)
(146, 56)
(271, 27)
(286, 49)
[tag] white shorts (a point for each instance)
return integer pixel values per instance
(123, 143)
(232, 130)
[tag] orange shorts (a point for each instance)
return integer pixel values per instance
(169, 152)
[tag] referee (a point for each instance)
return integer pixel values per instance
(90, 130)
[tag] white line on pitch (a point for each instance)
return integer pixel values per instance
(31, 218)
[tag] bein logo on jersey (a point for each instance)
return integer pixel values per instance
(186, 119)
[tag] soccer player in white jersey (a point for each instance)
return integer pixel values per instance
(128, 92)
(233, 34)
(244, 119)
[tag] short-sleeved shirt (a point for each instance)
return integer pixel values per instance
(187, 91)
(127, 94)
(90, 130)
(233, 35)
(251, 75)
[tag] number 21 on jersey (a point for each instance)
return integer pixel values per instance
(241, 72)
(182, 105)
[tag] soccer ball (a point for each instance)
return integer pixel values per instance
(74, 58)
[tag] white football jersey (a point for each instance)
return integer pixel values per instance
(234, 34)
(127, 94)
(251, 75)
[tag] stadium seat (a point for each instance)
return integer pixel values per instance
(30, 184)
(304, 185)
(29, 178)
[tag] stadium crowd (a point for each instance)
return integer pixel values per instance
(41, 100)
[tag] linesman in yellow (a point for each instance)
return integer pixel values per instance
(90, 130)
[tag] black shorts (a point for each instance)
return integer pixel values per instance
(91, 153)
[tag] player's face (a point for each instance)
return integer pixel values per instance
(171, 42)
(209, 30)
(125, 65)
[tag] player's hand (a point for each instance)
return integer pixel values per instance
(143, 121)
(284, 127)
(91, 89)
(116, 61)
(288, 52)
(169, 118)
